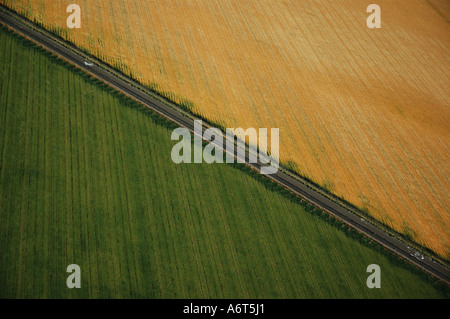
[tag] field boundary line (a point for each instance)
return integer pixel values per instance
(437, 11)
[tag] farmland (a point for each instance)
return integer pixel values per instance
(86, 178)
(362, 112)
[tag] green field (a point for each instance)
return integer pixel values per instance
(87, 178)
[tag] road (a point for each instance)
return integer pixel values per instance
(296, 185)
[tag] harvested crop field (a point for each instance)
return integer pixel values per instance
(362, 112)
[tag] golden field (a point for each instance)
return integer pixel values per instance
(363, 112)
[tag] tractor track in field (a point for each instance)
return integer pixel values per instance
(295, 183)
